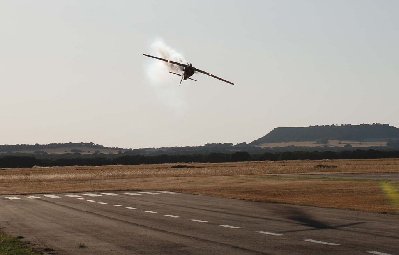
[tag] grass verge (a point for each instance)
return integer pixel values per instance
(14, 246)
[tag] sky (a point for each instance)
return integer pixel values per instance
(73, 70)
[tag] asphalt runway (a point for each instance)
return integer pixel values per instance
(162, 222)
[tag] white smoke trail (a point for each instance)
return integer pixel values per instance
(165, 84)
(158, 69)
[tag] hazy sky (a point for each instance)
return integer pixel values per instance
(73, 70)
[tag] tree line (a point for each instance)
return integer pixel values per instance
(17, 161)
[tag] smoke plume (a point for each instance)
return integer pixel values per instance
(159, 70)
(166, 85)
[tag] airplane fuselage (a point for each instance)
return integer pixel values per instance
(185, 71)
(189, 70)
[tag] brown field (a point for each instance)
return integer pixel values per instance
(280, 182)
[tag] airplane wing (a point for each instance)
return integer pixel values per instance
(214, 76)
(166, 60)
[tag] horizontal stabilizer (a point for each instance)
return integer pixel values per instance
(180, 75)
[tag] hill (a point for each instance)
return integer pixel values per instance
(364, 135)
(61, 148)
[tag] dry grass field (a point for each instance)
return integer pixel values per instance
(295, 182)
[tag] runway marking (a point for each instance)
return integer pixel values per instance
(132, 194)
(150, 212)
(378, 253)
(72, 195)
(117, 205)
(321, 242)
(91, 201)
(130, 208)
(80, 198)
(109, 194)
(228, 226)
(92, 195)
(51, 196)
(171, 216)
(167, 192)
(200, 221)
(269, 233)
(102, 203)
(149, 193)
(33, 197)
(12, 198)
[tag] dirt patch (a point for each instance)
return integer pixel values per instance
(321, 166)
(185, 166)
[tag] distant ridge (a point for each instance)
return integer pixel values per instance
(314, 138)
(61, 148)
(363, 132)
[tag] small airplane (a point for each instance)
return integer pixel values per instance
(187, 70)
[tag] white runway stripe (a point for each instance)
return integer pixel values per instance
(117, 205)
(378, 253)
(150, 212)
(33, 197)
(132, 194)
(228, 226)
(92, 195)
(167, 192)
(72, 195)
(51, 196)
(171, 216)
(109, 194)
(321, 242)
(12, 198)
(269, 233)
(130, 208)
(149, 193)
(80, 198)
(91, 201)
(102, 203)
(200, 221)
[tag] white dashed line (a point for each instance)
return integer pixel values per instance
(110, 194)
(132, 194)
(269, 233)
(12, 198)
(33, 197)
(171, 216)
(321, 242)
(92, 195)
(378, 253)
(148, 193)
(150, 212)
(167, 192)
(200, 221)
(72, 195)
(228, 226)
(51, 196)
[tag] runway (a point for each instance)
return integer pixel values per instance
(163, 222)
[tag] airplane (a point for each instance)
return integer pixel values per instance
(187, 70)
